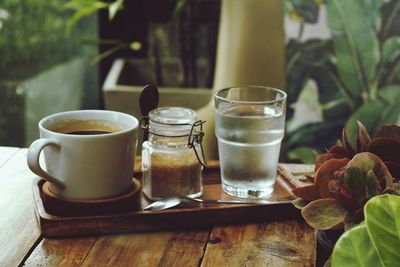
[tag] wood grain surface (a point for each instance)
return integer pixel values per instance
(288, 242)
(18, 228)
(264, 244)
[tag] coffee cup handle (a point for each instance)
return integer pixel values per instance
(33, 160)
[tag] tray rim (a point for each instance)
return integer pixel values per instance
(44, 218)
(44, 214)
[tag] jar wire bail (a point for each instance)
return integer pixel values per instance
(144, 123)
(196, 137)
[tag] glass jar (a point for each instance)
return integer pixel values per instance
(171, 162)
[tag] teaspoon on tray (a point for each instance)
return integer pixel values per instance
(173, 201)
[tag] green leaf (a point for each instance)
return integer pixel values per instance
(299, 203)
(369, 115)
(179, 7)
(82, 9)
(307, 9)
(78, 16)
(360, 184)
(335, 97)
(79, 4)
(391, 113)
(326, 133)
(313, 52)
(355, 43)
(306, 104)
(390, 19)
(373, 14)
(324, 213)
(391, 97)
(354, 249)
(108, 52)
(376, 113)
(302, 59)
(304, 154)
(382, 217)
(367, 161)
(114, 7)
(390, 94)
(355, 183)
(371, 183)
(391, 49)
(288, 7)
(96, 42)
(395, 74)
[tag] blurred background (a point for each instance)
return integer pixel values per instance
(340, 61)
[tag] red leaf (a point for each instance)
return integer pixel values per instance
(321, 159)
(391, 131)
(341, 152)
(334, 186)
(325, 173)
(308, 192)
(310, 178)
(363, 134)
(346, 144)
(361, 147)
(385, 148)
(394, 169)
(347, 201)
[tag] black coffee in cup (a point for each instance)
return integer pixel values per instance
(86, 127)
(88, 132)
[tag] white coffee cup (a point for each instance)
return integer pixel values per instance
(83, 162)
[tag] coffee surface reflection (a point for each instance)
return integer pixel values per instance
(86, 127)
(88, 132)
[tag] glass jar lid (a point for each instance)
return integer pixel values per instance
(173, 115)
(171, 121)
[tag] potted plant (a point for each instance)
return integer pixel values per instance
(346, 178)
(342, 66)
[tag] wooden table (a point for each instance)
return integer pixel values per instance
(276, 243)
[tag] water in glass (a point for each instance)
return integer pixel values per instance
(249, 139)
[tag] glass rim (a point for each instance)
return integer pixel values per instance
(260, 102)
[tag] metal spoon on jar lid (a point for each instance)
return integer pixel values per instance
(173, 201)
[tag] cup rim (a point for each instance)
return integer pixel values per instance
(281, 92)
(132, 126)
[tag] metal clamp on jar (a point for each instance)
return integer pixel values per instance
(172, 158)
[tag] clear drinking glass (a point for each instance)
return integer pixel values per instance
(249, 126)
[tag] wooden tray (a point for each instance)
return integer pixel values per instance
(182, 217)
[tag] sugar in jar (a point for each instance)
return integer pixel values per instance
(172, 157)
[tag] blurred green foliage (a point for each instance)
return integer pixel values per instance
(33, 36)
(355, 74)
(33, 39)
